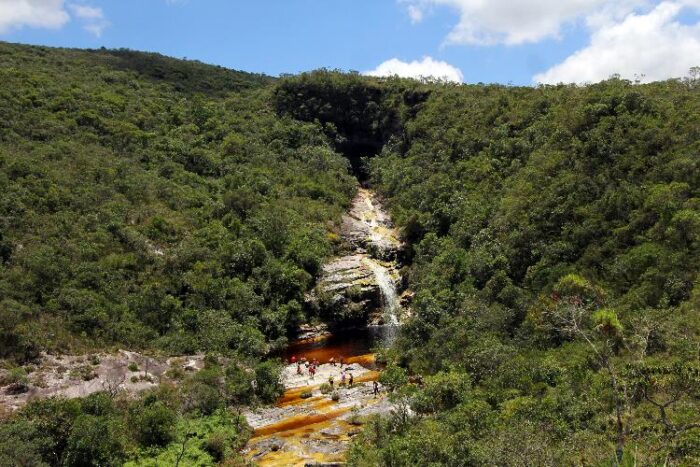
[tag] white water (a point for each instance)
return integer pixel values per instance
(390, 299)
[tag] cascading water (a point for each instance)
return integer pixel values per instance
(390, 299)
(302, 426)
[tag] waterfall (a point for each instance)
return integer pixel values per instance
(390, 300)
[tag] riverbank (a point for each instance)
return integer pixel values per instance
(312, 422)
(308, 425)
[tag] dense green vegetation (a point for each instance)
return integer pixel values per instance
(554, 242)
(553, 245)
(139, 211)
(187, 423)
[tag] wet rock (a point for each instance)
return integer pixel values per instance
(347, 290)
(310, 331)
(368, 228)
(268, 445)
(323, 446)
(350, 287)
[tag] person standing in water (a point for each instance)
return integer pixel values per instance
(351, 380)
(376, 389)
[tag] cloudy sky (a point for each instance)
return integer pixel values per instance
(506, 41)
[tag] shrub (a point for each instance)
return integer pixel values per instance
(306, 394)
(94, 441)
(201, 398)
(325, 388)
(267, 378)
(84, 372)
(133, 366)
(153, 424)
(442, 391)
(216, 445)
(176, 370)
(335, 397)
(607, 322)
(394, 377)
(238, 385)
(17, 381)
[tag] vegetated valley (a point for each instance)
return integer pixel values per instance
(175, 225)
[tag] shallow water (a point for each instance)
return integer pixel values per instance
(346, 343)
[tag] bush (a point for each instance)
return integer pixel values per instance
(153, 423)
(17, 381)
(201, 398)
(441, 391)
(607, 322)
(306, 394)
(94, 441)
(216, 445)
(238, 385)
(133, 366)
(84, 372)
(325, 388)
(335, 397)
(268, 387)
(393, 377)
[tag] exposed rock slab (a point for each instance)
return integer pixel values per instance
(82, 375)
(348, 289)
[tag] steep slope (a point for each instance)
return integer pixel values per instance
(554, 236)
(140, 212)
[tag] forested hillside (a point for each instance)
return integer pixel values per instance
(554, 240)
(552, 243)
(139, 211)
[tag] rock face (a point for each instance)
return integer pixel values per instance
(349, 287)
(81, 375)
(367, 228)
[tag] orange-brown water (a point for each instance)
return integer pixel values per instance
(355, 347)
(346, 344)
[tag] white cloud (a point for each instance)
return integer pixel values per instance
(15, 14)
(655, 45)
(87, 12)
(427, 68)
(489, 22)
(93, 18)
(49, 14)
(415, 13)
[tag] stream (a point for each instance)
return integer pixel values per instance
(309, 426)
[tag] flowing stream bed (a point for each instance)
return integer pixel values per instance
(309, 426)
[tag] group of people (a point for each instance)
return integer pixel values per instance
(345, 375)
(309, 365)
(312, 367)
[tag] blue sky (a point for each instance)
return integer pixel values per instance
(505, 41)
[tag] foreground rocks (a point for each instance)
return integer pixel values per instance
(308, 427)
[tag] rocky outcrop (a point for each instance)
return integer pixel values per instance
(310, 426)
(367, 228)
(82, 375)
(348, 289)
